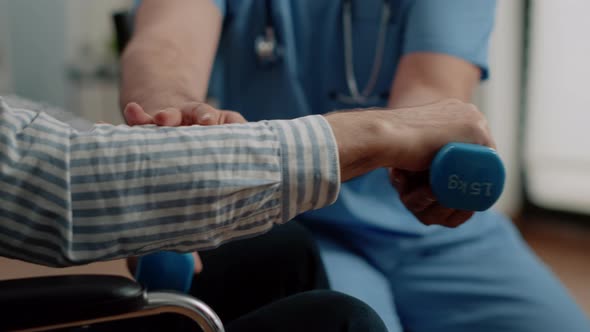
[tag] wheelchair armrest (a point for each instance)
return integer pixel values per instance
(42, 301)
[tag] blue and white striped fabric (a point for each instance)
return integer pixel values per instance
(71, 197)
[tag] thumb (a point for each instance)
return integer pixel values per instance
(135, 115)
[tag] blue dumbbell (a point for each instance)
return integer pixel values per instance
(463, 176)
(166, 270)
(467, 176)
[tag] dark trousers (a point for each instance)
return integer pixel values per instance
(277, 282)
(274, 282)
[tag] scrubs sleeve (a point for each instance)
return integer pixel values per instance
(221, 4)
(459, 28)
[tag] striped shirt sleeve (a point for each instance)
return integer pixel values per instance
(71, 197)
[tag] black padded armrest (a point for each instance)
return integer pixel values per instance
(52, 300)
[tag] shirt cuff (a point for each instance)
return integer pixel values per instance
(309, 163)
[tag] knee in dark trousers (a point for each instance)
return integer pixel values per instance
(242, 276)
(322, 310)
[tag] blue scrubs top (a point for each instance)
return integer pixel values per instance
(312, 71)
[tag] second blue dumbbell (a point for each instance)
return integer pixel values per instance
(166, 270)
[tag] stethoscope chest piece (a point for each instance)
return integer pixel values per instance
(266, 46)
(267, 49)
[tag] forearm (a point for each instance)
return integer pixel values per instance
(168, 61)
(427, 78)
(150, 75)
(72, 198)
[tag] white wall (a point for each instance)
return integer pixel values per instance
(36, 48)
(5, 73)
(90, 26)
(90, 46)
(558, 106)
(500, 97)
(46, 40)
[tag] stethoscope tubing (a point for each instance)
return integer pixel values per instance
(354, 96)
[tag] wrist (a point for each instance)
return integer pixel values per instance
(363, 141)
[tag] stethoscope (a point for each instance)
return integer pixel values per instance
(267, 49)
(269, 52)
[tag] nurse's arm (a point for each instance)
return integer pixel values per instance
(424, 78)
(169, 59)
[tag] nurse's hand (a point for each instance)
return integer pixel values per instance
(417, 196)
(187, 114)
(406, 141)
